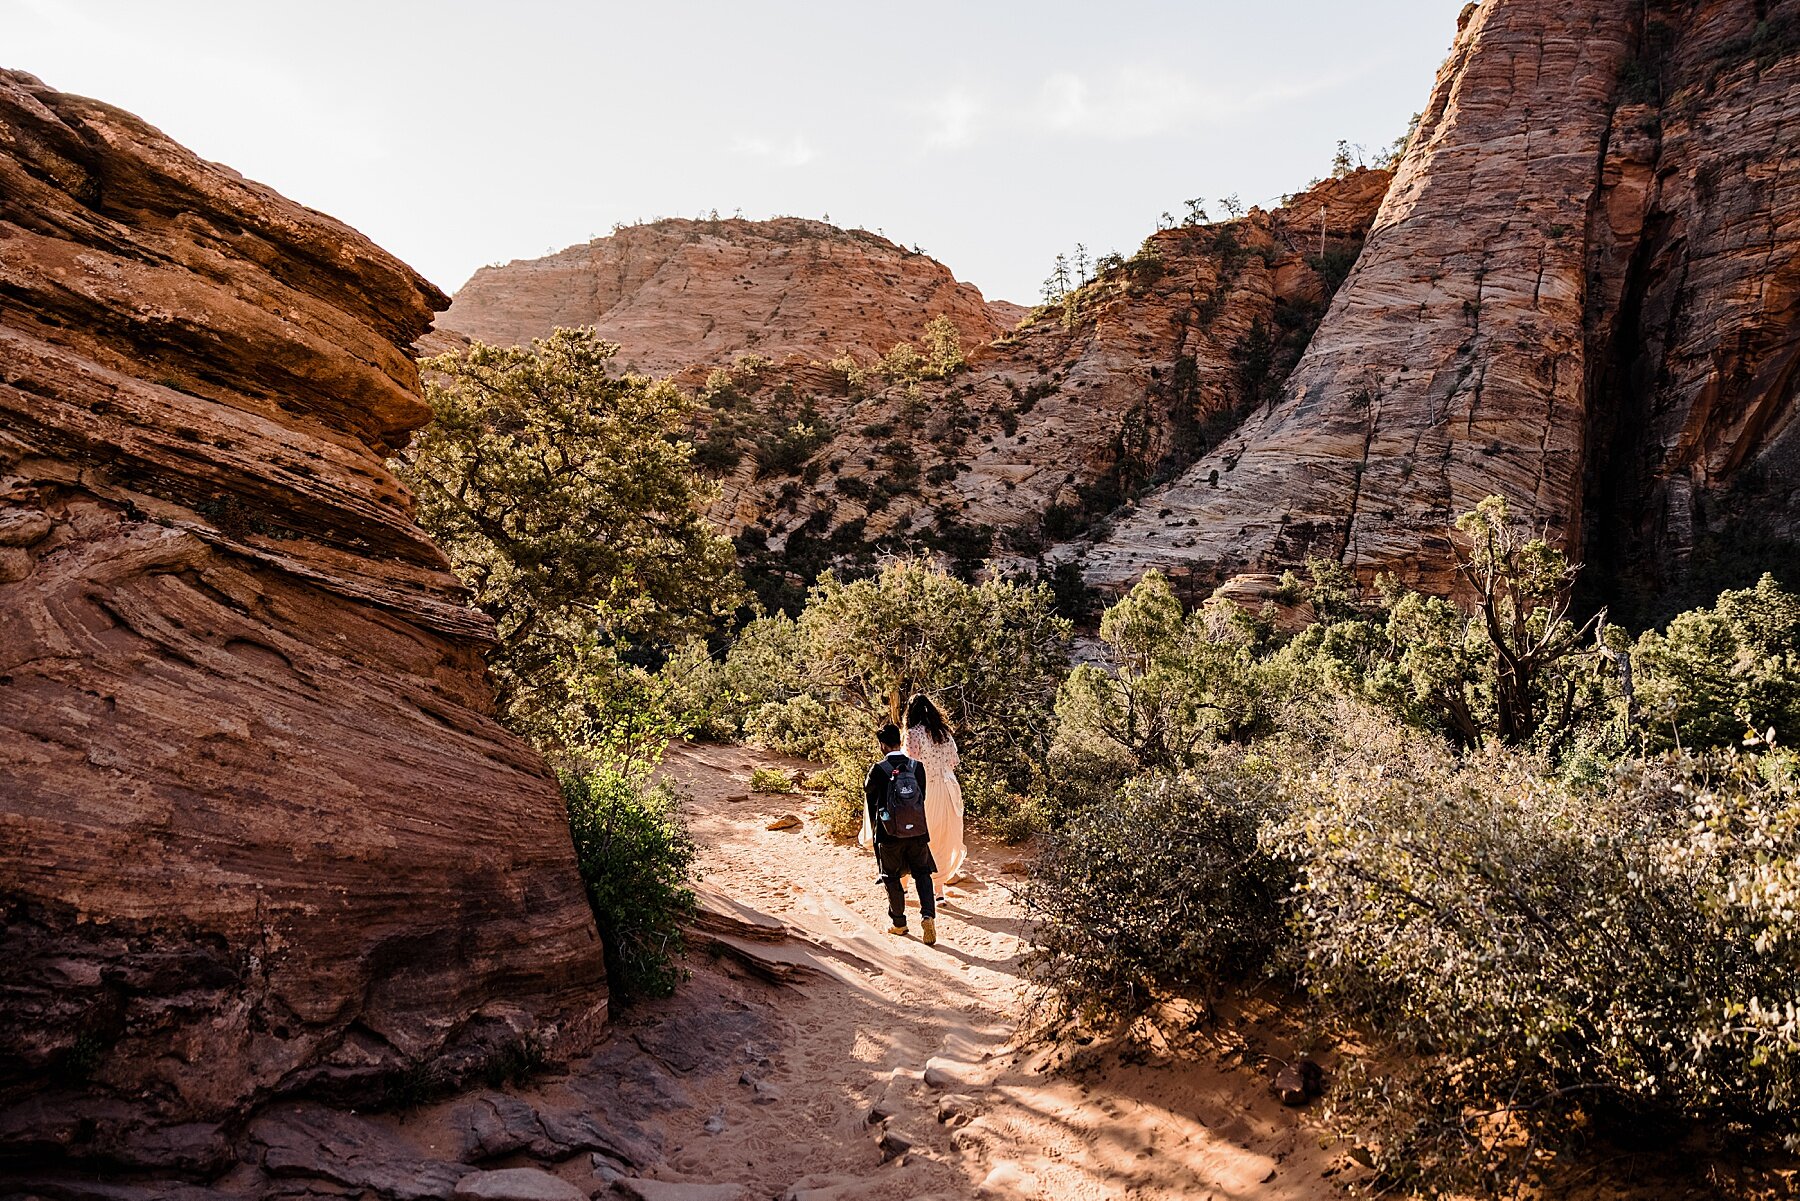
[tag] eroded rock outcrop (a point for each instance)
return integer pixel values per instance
(259, 832)
(1140, 372)
(676, 293)
(1583, 291)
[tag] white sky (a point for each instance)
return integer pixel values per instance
(990, 133)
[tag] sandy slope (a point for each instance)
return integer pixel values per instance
(923, 1033)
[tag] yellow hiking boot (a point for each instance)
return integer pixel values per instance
(900, 930)
(928, 930)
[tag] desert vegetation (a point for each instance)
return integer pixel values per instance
(1537, 861)
(566, 499)
(1540, 865)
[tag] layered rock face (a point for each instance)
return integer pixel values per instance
(676, 293)
(1139, 373)
(1581, 293)
(260, 834)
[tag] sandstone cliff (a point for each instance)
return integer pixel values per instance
(676, 293)
(1133, 377)
(1583, 291)
(259, 832)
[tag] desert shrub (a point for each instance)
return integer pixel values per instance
(1161, 887)
(769, 779)
(786, 449)
(637, 861)
(841, 806)
(566, 499)
(991, 654)
(589, 700)
(903, 363)
(943, 346)
(1547, 962)
(1007, 814)
(714, 697)
(800, 726)
(718, 452)
(1716, 672)
(1175, 683)
(697, 694)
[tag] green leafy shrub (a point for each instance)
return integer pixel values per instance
(566, 499)
(1559, 961)
(1161, 887)
(769, 779)
(637, 861)
(943, 346)
(841, 809)
(800, 726)
(1716, 672)
(785, 450)
(991, 654)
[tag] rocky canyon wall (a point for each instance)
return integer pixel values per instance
(1139, 372)
(260, 834)
(1581, 292)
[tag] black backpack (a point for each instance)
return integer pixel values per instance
(903, 816)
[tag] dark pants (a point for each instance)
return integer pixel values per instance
(907, 857)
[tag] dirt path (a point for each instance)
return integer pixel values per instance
(781, 1078)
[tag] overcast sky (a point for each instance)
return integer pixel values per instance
(991, 134)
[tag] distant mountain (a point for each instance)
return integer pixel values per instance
(677, 293)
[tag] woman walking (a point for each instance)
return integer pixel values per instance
(928, 740)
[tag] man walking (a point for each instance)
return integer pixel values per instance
(895, 798)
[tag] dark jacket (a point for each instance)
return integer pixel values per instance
(875, 791)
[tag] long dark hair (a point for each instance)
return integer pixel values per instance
(921, 712)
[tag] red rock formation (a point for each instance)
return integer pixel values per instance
(1580, 293)
(676, 293)
(259, 832)
(1060, 421)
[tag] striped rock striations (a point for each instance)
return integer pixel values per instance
(1048, 429)
(260, 834)
(1583, 292)
(676, 293)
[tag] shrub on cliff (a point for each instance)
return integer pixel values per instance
(566, 499)
(1715, 672)
(637, 861)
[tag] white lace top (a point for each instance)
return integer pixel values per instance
(939, 758)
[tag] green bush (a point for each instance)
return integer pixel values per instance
(1161, 888)
(992, 654)
(769, 779)
(799, 726)
(717, 698)
(1566, 962)
(638, 863)
(842, 808)
(1717, 672)
(565, 497)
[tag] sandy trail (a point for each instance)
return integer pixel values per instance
(758, 1078)
(922, 1034)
